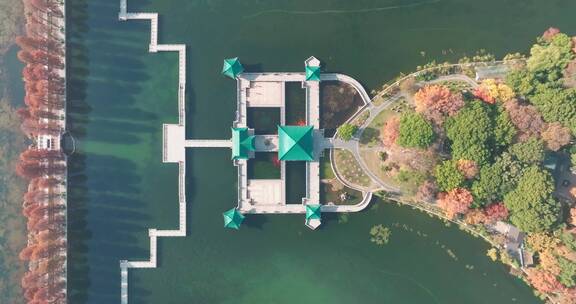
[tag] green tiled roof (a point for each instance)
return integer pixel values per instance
(242, 143)
(313, 212)
(233, 218)
(232, 67)
(295, 143)
(313, 73)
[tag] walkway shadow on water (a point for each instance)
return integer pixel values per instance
(106, 223)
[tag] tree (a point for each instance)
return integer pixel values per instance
(415, 131)
(347, 131)
(391, 131)
(556, 136)
(548, 60)
(531, 205)
(525, 118)
(492, 253)
(504, 129)
(572, 218)
(543, 281)
(567, 275)
(496, 212)
(496, 180)
(542, 241)
(550, 33)
(469, 132)
(436, 102)
(448, 176)
(427, 191)
(556, 104)
(491, 91)
(468, 168)
(528, 152)
(522, 82)
(454, 202)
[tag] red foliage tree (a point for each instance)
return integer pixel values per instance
(496, 212)
(526, 118)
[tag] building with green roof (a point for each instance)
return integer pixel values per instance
(313, 73)
(233, 219)
(232, 67)
(295, 143)
(242, 143)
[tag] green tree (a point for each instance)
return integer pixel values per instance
(528, 152)
(448, 176)
(469, 132)
(496, 180)
(531, 206)
(347, 131)
(504, 129)
(415, 131)
(549, 59)
(522, 82)
(556, 104)
(567, 274)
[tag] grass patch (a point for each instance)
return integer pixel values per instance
(349, 168)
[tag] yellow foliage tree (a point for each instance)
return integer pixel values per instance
(491, 90)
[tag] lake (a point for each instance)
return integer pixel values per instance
(120, 95)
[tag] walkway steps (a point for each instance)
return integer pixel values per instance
(172, 134)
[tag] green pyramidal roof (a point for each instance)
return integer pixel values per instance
(313, 212)
(313, 73)
(232, 67)
(233, 218)
(295, 143)
(242, 143)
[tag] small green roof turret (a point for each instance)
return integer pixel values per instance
(233, 219)
(312, 73)
(295, 143)
(232, 67)
(313, 212)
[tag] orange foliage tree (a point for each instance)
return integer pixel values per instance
(391, 131)
(456, 201)
(556, 136)
(543, 281)
(468, 168)
(436, 102)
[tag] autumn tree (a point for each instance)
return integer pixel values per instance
(543, 281)
(454, 202)
(525, 118)
(491, 91)
(427, 191)
(496, 212)
(436, 102)
(556, 136)
(391, 131)
(468, 168)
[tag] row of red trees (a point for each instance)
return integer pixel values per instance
(44, 166)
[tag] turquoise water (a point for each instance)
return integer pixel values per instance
(120, 95)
